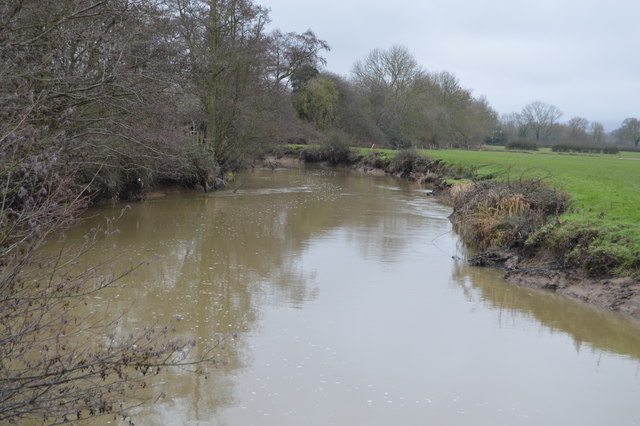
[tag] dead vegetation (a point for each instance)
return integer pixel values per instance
(496, 215)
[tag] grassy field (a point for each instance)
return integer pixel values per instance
(604, 189)
(600, 185)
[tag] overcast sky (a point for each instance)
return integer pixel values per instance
(582, 56)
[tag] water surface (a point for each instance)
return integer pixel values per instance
(352, 305)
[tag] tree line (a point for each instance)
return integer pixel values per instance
(539, 124)
(391, 100)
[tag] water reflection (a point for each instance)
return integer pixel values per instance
(586, 325)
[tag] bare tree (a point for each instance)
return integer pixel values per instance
(395, 69)
(100, 79)
(597, 133)
(629, 131)
(292, 52)
(540, 119)
(236, 69)
(578, 128)
(426, 108)
(511, 125)
(387, 79)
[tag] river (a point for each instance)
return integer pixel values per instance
(345, 300)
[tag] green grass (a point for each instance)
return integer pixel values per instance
(630, 155)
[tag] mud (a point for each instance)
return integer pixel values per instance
(619, 294)
(273, 162)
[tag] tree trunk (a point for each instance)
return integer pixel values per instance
(212, 95)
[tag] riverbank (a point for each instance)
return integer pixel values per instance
(525, 232)
(543, 271)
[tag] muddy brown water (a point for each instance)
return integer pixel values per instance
(351, 304)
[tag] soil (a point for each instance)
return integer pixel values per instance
(620, 294)
(157, 194)
(285, 161)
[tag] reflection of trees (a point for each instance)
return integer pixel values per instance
(216, 259)
(585, 324)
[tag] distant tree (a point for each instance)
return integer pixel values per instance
(577, 127)
(480, 121)
(395, 69)
(629, 131)
(425, 108)
(354, 115)
(462, 119)
(385, 78)
(510, 125)
(540, 119)
(389, 83)
(597, 133)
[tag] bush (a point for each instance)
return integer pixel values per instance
(525, 145)
(492, 214)
(578, 148)
(376, 159)
(406, 162)
(396, 139)
(335, 150)
(629, 148)
(610, 150)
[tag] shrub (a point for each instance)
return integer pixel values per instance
(406, 162)
(524, 145)
(579, 148)
(376, 159)
(396, 139)
(493, 214)
(335, 150)
(629, 148)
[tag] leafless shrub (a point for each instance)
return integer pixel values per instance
(61, 359)
(83, 101)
